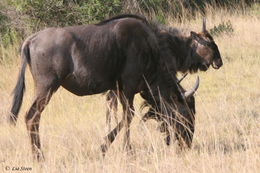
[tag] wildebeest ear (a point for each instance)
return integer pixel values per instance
(194, 35)
(204, 24)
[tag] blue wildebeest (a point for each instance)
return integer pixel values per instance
(120, 53)
(181, 53)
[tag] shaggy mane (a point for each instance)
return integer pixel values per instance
(122, 17)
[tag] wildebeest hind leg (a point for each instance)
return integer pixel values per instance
(33, 116)
(109, 139)
(112, 135)
(111, 100)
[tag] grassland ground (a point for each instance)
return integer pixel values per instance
(227, 135)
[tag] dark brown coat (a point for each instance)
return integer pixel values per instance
(121, 53)
(178, 52)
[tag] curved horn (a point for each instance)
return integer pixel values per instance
(179, 80)
(204, 24)
(193, 90)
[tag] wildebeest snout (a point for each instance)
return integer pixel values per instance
(217, 63)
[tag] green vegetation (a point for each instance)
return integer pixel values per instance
(19, 18)
(222, 28)
(63, 12)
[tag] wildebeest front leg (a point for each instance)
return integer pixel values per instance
(32, 120)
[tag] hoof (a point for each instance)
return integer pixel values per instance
(130, 151)
(39, 157)
(104, 149)
(128, 148)
(12, 120)
(168, 140)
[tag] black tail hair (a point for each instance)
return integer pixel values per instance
(20, 86)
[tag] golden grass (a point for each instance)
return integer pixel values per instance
(227, 136)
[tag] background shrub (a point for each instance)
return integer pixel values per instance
(19, 18)
(222, 28)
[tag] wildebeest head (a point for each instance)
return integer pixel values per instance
(206, 49)
(178, 115)
(189, 99)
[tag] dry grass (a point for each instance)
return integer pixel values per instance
(227, 136)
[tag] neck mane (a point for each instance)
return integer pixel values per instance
(176, 49)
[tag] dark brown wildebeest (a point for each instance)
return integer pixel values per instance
(91, 59)
(182, 53)
(87, 59)
(112, 104)
(183, 124)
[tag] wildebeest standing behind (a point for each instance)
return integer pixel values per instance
(86, 60)
(183, 124)
(179, 52)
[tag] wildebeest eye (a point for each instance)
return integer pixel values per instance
(213, 46)
(200, 40)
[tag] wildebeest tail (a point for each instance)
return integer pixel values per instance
(20, 85)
